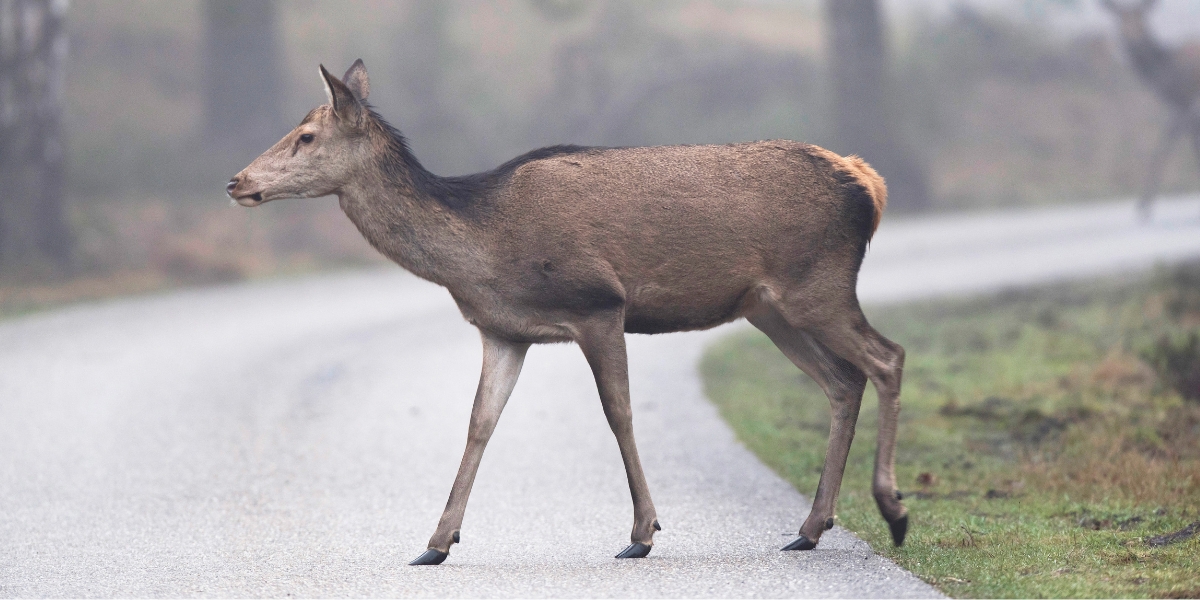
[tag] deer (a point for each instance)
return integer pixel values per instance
(1174, 76)
(586, 244)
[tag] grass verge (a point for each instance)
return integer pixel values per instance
(1048, 437)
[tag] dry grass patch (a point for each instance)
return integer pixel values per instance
(140, 244)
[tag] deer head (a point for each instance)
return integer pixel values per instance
(320, 155)
(1131, 18)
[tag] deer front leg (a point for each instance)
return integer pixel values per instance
(502, 362)
(603, 344)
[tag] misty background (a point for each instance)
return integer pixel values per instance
(962, 105)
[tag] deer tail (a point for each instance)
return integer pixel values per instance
(872, 182)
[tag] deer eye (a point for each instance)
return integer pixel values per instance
(306, 138)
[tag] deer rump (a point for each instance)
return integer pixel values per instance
(679, 237)
(586, 244)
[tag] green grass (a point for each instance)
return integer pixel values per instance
(1044, 437)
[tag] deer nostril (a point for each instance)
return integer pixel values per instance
(230, 187)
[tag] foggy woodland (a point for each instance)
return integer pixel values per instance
(122, 119)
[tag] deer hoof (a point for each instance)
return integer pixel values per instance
(801, 543)
(635, 550)
(899, 528)
(430, 557)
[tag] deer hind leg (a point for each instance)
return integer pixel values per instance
(1194, 128)
(843, 383)
(1158, 160)
(882, 360)
(603, 343)
(502, 361)
(1196, 139)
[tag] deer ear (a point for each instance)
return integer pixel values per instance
(345, 106)
(356, 79)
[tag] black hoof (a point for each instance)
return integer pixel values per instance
(635, 550)
(899, 528)
(801, 543)
(430, 557)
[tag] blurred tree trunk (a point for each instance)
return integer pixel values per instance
(33, 51)
(242, 85)
(864, 118)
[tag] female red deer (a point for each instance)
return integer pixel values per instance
(1171, 72)
(572, 244)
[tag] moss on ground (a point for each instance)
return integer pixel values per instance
(1047, 436)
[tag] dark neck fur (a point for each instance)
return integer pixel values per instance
(401, 168)
(464, 194)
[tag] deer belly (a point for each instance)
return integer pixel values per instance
(651, 309)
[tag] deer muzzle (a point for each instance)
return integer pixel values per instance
(242, 196)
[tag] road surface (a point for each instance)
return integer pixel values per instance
(299, 438)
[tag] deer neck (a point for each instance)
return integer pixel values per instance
(391, 205)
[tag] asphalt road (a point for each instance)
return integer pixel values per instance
(299, 438)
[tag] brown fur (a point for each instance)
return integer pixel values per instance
(586, 244)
